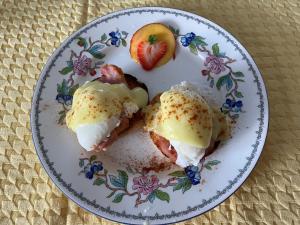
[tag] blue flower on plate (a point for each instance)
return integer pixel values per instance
(89, 174)
(193, 174)
(115, 38)
(187, 39)
(96, 167)
(92, 169)
(232, 105)
(64, 99)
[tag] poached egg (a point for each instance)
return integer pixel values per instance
(98, 107)
(184, 118)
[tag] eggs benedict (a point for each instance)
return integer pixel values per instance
(103, 108)
(183, 126)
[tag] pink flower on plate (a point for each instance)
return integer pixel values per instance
(214, 64)
(82, 65)
(145, 184)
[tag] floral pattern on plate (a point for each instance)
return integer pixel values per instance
(86, 61)
(217, 68)
(145, 187)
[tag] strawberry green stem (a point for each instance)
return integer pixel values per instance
(152, 39)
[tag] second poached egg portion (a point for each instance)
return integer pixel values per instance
(184, 118)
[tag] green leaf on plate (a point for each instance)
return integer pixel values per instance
(208, 167)
(226, 79)
(193, 48)
(98, 55)
(124, 43)
(178, 173)
(73, 89)
(118, 197)
(238, 94)
(64, 87)
(103, 37)
(66, 70)
(178, 186)
(222, 80)
(151, 197)
(99, 181)
(216, 49)
(187, 185)
(214, 162)
(164, 196)
(229, 83)
(238, 74)
(211, 163)
(123, 177)
(96, 51)
(117, 182)
(199, 41)
(59, 88)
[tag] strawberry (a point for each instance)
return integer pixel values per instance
(150, 52)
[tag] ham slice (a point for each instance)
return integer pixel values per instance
(164, 146)
(168, 150)
(124, 125)
(112, 74)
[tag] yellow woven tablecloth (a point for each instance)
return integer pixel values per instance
(30, 31)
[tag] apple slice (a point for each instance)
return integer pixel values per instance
(162, 34)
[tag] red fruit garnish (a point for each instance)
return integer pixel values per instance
(150, 52)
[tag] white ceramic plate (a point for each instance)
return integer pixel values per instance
(112, 184)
